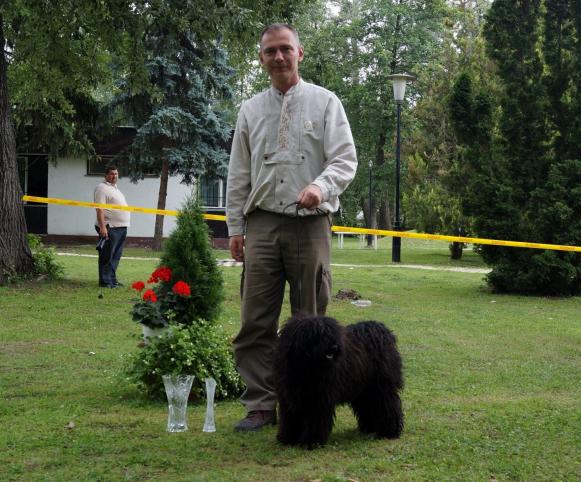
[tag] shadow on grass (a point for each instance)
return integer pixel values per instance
(65, 283)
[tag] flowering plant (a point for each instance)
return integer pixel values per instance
(163, 302)
(198, 349)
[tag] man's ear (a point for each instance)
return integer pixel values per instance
(301, 53)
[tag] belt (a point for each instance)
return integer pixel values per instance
(290, 213)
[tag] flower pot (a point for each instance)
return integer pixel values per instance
(152, 332)
(177, 389)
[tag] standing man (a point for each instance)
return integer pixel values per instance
(112, 226)
(292, 156)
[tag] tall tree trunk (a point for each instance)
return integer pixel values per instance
(384, 211)
(370, 214)
(158, 233)
(15, 256)
(384, 215)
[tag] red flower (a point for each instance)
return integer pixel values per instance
(138, 285)
(160, 274)
(150, 295)
(181, 288)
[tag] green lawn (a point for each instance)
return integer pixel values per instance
(414, 251)
(492, 393)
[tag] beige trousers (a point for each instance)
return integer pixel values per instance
(278, 249)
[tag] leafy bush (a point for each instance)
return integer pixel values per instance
(45, 262)
(200, 349)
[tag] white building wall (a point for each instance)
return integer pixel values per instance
(69, 180)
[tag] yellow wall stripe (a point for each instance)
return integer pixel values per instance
(344, 229)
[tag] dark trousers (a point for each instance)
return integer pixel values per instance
(278, 249)
(110, 256)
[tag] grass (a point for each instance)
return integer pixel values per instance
(493, 384)
(413, 251)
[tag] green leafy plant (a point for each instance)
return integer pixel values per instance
(200, 349)
(44, 257)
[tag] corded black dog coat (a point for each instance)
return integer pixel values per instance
(320, 364)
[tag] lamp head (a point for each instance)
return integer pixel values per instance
(399, 84)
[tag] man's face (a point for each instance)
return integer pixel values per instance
(112, 176)
(280, 55)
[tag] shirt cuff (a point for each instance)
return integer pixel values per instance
(323, 189)
(235, 230)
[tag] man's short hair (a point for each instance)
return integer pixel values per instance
(110, 168)
(273, 27)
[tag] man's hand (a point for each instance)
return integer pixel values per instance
(237, 247)
(310, 197)
(103, 232)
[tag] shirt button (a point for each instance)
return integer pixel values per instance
(281, 181)
(266, 157)
(281, 203)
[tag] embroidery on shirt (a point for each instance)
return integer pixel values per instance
(284, 125)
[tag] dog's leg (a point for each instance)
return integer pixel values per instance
(317, 426)
(379, 411)
(290, 425)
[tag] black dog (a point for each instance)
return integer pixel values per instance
(320, 364)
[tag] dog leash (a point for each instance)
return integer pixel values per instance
(298, 236)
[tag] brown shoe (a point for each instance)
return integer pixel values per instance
(255, 420)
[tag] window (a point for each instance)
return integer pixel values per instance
(33, 174)
(96, 165)
(213, 192)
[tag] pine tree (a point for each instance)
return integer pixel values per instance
(181, 127)
(187, 252)
(526, 186)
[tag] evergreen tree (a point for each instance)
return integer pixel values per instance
(181, 129)
(525, 185)
(187, 252)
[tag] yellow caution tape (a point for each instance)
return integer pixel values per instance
(460, 239)
(68, 202)
(343, 229)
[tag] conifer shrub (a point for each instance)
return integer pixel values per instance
(553, 217)
(187, 252)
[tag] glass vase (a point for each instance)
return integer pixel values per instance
(209, 425)
(177, 389)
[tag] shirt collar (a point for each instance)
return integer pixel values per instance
(109, 184)
(295, 88)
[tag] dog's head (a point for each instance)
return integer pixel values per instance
(311, 342)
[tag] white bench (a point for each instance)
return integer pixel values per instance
(362, 239)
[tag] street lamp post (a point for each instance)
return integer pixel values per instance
(399, 85)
